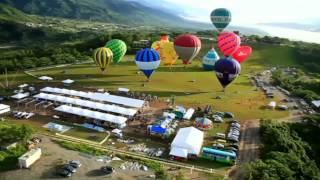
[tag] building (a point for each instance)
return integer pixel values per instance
(316, 104)
(187, 143)
(26, 160)
(4, 108)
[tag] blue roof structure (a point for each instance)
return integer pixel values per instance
(158, 129)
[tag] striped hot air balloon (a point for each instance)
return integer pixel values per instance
(228, 42)
(209, 60)
(187, 47)
(118, 48)
(220, 18)
(102, 57)
(148, 60)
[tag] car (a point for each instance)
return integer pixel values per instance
(65, 173)
(218, 113)
(235, 145)
(228, 115)
(75, 163)
(107, 169)
(70, 168)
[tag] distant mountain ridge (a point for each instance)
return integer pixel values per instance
(112, 11)
(307, 27)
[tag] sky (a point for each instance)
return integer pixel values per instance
(254, 11)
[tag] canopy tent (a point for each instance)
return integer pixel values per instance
(158, 129)
(204, 123)
(45, 78)
(316, 103)
(88, 104)
(189, 139)
(130, 102)
(188, 115)
(92, 114)
(23, 85)
(4, 108)
(20, 95)
(68, 81)
(179, 152)
(123, 90)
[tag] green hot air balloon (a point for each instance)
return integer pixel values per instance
(119, 49)
(102, 57)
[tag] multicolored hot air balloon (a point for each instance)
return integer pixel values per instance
(209, 60)
(228, 42)
(118, 48)
(148, 60)
(168, 54)
(227, 70)
(187, 47)
(164, 38)
(220, 18)
(102, 57)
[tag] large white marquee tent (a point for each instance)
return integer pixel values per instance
(130, 102)
(88, 104)
(121, 121)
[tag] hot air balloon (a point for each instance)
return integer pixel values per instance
(228, 42)
(227, 70)
(102, 57)
(168, 54)
(156, 45)
(148, 60)
(164, 38)
(242, 54)
(209, 60)
(187, 47)
(118, 48)
(220, 18)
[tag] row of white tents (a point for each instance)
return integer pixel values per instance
(119, 120)
(106, 97)
(87, 104)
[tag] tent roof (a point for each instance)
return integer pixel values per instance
(136, 103)
(45, 78)
(204, 121)
(123, 89)
(158, 129)
(189, 138)
(316, 103)
(68, 81)
(88, 104)
(20, 95)
(179, 152)
(188, 114)
(4, 106)
(92, 114)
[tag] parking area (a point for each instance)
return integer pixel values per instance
(54, 156)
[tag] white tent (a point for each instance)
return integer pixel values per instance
(130, 102)
(92, 114)
(188, 114)
(88, 104)
(187, 141)
(272, 105)
(120, 89)
(68, 81)
(20, 95)
(45, 78)
(4, 108)
(316, 103)
(23, 85)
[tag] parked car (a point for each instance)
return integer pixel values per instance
(64, 172)
(228, 115)
(75, 163)
(107, 169)
(70, 168)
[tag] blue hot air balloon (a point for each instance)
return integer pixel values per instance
(148, 60)
(220, 18)
(209, 60)
(227, 70)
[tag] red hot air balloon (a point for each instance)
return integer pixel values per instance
(242, 53)
(228, 42)
(187, 47)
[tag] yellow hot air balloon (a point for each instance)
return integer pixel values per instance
(168, 54)
(156, 45)
(102, 57)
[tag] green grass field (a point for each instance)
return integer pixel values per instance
(240, 97)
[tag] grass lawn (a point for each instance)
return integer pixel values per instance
(84, 133)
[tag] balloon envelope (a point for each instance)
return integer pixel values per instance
(227, 70)
(242, 54)
(156, 45)
(228, 43)
(147, 61)
(187, 47)
(118, 48)
(168, 54)
(220, 18)
(102, 57)
(209, 60)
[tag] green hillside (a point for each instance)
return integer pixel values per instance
(112, 11)
(8, 13)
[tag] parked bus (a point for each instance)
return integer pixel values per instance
(219, 155)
